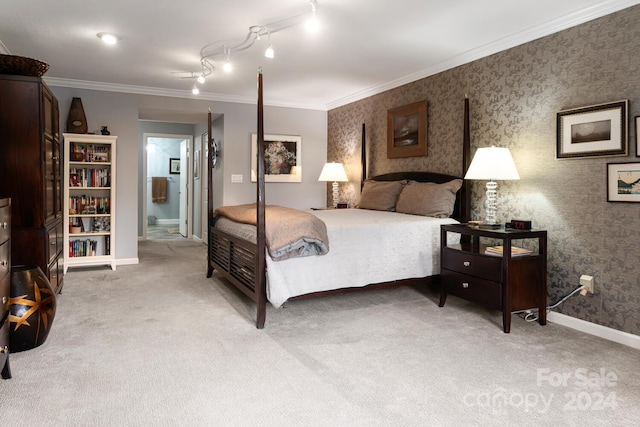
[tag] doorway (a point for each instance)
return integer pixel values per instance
(166, 197)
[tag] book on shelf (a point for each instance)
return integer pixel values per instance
(499, 250)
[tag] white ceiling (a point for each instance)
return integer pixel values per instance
(364, 46)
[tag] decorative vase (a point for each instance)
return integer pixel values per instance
(77, 121)
(32, 308)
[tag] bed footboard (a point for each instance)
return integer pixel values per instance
(235, 259)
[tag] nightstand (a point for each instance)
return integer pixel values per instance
(505, 269)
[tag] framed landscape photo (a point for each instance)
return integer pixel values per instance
(623, 182)
(594, 131)
(282, 158)
(174, 166)
(407, 131)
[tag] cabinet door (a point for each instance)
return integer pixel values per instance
(51, 160)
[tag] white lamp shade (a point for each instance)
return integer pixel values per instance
(333, 172)
(492, 163)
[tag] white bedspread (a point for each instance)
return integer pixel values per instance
(366, 247)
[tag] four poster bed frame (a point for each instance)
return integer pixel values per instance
(243, 263)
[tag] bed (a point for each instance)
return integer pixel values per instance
(371, 247)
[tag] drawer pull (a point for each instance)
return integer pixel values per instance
(5, 225)
(53, 243)
(4, 349)
(4, 300)
(466, 263)
(465, 285)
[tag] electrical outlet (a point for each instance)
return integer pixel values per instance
(587, 282)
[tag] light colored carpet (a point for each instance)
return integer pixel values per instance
(158, 344)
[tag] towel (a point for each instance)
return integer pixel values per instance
(159, 189)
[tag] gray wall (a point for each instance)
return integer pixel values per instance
(121, 113)
(514, 97)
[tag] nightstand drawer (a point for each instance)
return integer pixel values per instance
(485, 267)
(472, 288)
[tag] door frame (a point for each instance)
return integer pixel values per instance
(143, 190)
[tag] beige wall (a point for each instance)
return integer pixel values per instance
(514, 97)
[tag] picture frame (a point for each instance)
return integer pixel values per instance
(593, 131)
(623, 182)
(174, 166)
(407, 131)
(283, 158)
(637, 126)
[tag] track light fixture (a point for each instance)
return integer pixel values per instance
(227, 67)
(269, 53)
(213, 52)
(195, 90)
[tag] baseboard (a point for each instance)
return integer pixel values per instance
(127, 261)
(167, 221)
(595, 329)
(197, 239)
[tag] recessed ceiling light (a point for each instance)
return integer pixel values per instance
(108, 38)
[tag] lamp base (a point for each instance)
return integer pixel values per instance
(490, 204)
(335, 194)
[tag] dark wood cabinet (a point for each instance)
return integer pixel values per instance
(31, 173)
(486, 266)
(5, 284)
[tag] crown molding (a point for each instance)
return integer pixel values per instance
(146, 90)
(516, 39)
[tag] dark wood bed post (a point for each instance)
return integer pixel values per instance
(465, 200)
(363, 156)
(209, 189)
(261, 292)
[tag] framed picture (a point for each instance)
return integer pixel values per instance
(598, 130)
(623, 182)
(282, 158)
(196, 164)
(174, 166)
(637, 120)
(407, 131)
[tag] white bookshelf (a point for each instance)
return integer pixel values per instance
(89, 200)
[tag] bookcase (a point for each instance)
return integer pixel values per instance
(89, 200)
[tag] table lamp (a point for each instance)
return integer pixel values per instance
(333, 172)
(492, 163)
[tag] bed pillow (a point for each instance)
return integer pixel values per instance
(429, 198)
(380, 195)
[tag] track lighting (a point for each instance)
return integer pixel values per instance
(213, 52)
(195, 90)
(227, 67)
(269, 53)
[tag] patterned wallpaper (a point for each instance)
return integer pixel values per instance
(514, 97)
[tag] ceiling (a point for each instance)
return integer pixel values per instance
(363, 47)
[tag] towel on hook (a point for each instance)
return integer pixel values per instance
(159, 189)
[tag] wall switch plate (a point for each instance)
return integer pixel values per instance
(587, 282)
(236, 178)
